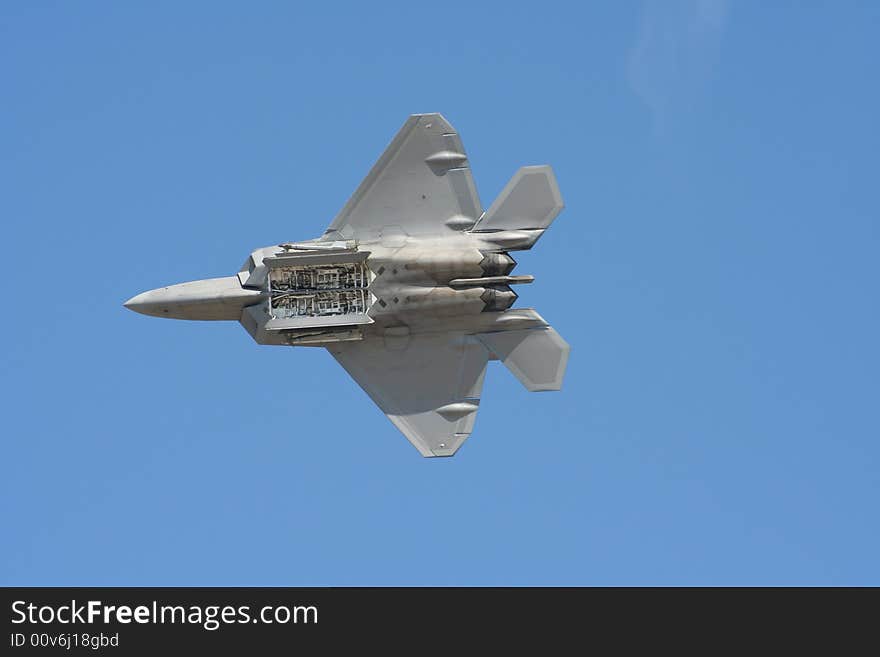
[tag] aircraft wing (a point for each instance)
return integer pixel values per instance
(421, 185)
(428, 385)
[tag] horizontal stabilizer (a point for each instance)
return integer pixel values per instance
(537, 357)
(530, 201)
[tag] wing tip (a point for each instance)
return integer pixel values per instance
(438, 447)
(432, 118)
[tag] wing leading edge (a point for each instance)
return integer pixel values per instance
(421, 183)
(428, 385)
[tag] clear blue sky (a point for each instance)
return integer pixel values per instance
(715, 271)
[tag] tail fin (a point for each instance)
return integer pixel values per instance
(530, 201)
(536, 356)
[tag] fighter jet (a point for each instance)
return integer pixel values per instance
(409, 288)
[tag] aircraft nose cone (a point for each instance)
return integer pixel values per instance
(208, 299)
(132, 303)
(143, 303)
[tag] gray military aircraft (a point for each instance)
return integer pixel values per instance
(408, 288)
